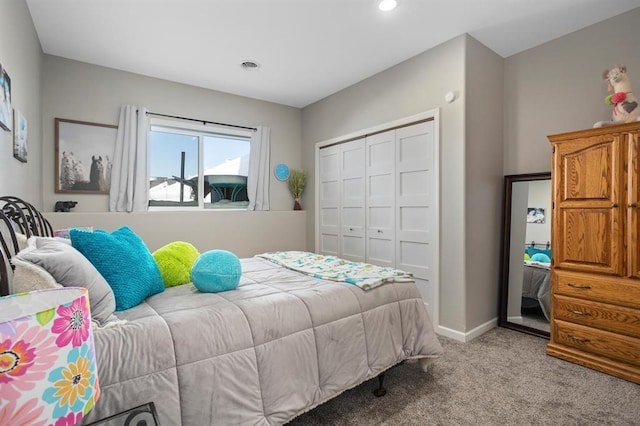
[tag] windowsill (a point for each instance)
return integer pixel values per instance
(218, 206)
(195, 209)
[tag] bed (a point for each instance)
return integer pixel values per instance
(536, 283)
(536, 287)
(280, 344)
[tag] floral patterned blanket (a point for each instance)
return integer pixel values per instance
(364, 275)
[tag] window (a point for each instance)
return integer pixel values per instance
(190, 163)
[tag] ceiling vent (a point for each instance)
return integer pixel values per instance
(250, 65)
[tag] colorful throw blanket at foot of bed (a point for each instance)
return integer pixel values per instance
(364, 275)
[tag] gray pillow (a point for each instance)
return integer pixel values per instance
(70, 268)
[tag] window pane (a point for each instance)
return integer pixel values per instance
(173, 180)
(226, 167)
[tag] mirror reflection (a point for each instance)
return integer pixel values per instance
(526, 254)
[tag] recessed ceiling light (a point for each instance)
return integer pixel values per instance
(250, 65)
(387, 5)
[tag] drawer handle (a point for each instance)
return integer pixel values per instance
(579, 286)
(633, 205)
(578, 339)
(350, 229)
(583, 314)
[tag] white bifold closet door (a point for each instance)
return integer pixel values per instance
(329, 201)
(415, 203)
(380, 202)
(353, 201)
(342, 211)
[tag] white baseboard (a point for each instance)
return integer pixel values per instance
(450, 333)
(469, 335)
(517, 320)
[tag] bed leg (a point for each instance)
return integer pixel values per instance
(381, 391)
(426, 363)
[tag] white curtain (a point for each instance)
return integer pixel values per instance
(130, 173)
(259, 169)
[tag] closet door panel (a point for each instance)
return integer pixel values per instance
(380, 199)
(329, 201)
(352, 178)
(414, 199)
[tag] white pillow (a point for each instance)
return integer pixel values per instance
(29, 277)
(22, 241)
(70, 268)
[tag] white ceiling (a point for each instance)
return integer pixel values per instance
(307, 49)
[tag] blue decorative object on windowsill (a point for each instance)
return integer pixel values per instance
(281, 172)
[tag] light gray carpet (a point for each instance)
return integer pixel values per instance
(503, 377)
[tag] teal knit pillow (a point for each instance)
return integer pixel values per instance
(215, 271)
(531, 251)
(124, 261)
(541, 257)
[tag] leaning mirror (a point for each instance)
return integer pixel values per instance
(525, 285)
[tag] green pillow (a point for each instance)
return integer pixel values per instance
(175, 261)
(123, 260)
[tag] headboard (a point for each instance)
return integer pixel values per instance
(17, 215)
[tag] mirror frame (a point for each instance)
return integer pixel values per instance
(506, 248)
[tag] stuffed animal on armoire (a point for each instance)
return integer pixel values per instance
(625, 104)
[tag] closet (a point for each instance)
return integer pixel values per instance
(595, 249)
(377, 196)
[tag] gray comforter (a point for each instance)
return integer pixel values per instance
(277, 346)
(536, 285)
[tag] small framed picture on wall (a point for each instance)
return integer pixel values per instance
(19, 136)
(6, 116)
(535, 215)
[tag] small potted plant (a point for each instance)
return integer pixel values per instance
(297, 181)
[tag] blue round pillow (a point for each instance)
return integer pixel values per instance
(541, 257)
(215, 271)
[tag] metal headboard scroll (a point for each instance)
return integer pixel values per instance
(17, 215)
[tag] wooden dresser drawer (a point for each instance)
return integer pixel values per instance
(599, 342)
(618, 319)
(599, 288)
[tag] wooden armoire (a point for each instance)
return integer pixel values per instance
(595, 311)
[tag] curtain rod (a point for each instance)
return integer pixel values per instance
(202, 121)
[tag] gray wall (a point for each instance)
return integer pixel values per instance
(483, 184)
(80, 91)
(416, 85)
(539, 196)
(243, 233)
(557, 87)
(21, 55)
